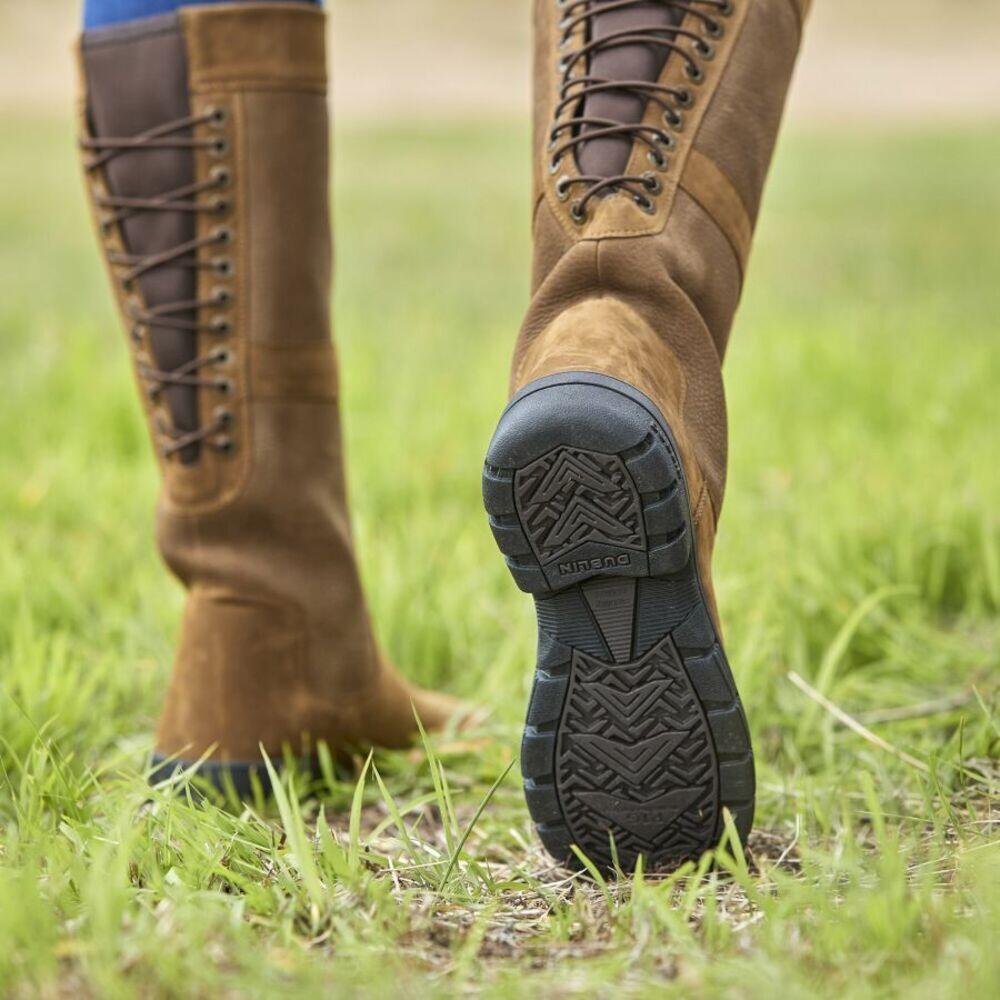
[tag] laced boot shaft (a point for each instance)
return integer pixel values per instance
(654, 127)
(613, 54)
(150, 320)
(206, 153)
(165, 234)
(618, 114)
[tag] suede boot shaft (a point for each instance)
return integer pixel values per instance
(206, 152)
(660, 260)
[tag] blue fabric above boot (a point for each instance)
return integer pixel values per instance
(100, 13)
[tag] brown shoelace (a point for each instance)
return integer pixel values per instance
(569, 133)
(172, 315)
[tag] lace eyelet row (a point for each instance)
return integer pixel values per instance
(222, 297)
(702, 51)
(216, 435)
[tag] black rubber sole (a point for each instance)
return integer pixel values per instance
(635, 738)
(241, 779)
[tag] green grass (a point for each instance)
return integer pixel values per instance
(860, 549)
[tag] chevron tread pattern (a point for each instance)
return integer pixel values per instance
(570, 497)
(635, 740)
(635, 761)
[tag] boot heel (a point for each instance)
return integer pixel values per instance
(635, 739)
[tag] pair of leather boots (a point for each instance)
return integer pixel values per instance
(205, 147)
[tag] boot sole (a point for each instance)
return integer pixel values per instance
(241, 778)
(635, 738)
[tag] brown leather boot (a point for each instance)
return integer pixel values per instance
(206, 161)
(654, 126)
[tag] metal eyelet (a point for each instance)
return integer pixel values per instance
(645, 204)
(223, 418)
(705, 49)
(684, 98)
(221, 296)
(673, 119)
(221, 325)
(223, 266)
(220, 206)
(224, 385)
(652, 183)
(554, 165)
(223, 235)
(219, 147)
(694, 73)
(562, 187)
(224, 444)
(657, 159)
(578, 213)
(222, 356)
(727, 8)
(666, 140)
(218, 116)
(220, 176)
(714, 29)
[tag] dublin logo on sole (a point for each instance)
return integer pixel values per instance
(589, 565)
(570, 497)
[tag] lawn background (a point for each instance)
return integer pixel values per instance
(859, 550)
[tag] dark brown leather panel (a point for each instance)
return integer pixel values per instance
(608, 156)
(137, 79)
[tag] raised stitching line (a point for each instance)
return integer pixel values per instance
(710, 187)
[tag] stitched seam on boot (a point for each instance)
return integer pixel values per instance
(687, 298)
(314, 382)
(517, 375)
(699, 507)
(539, 201)
(229, 493)
(739, 233)
(208, 85)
